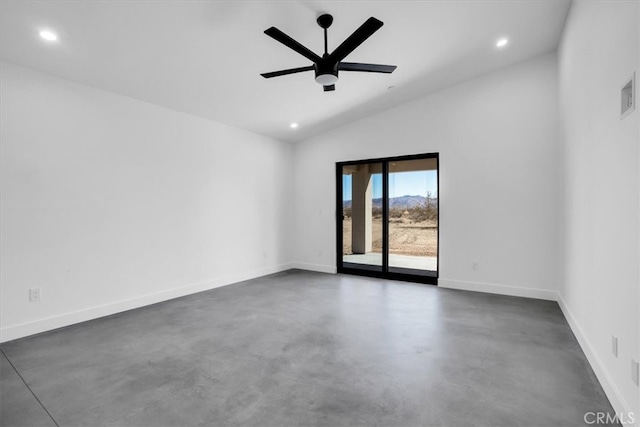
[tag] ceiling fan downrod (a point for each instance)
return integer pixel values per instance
(325, 21)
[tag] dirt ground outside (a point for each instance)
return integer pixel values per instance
(406, 237)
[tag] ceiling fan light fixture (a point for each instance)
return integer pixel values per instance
(326, 79)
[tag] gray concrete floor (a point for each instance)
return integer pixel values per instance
(308, 349)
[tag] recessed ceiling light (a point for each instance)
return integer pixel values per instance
(502, 42)
(294, 125)
(48, 35)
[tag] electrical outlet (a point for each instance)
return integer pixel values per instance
(635, 372)
(475, 265)
(614, 345)
(34, 294)
(319, 252)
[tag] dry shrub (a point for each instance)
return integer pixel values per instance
(396, 212)
(426, 211)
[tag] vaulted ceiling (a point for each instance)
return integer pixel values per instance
(205, 57)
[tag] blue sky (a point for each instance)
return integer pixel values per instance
(417, 183)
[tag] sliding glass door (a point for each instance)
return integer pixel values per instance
(413, 216)
(362, 216)
(388, 217)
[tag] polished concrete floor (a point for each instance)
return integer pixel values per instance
(307, 349)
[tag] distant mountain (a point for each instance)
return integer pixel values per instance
(402, 202)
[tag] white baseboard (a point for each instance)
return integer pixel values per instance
(331, 269)
(47, 324)
(491, 288)
(615, 397)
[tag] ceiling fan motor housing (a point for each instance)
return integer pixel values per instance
(326, 71)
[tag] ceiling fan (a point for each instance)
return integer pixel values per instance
(327, 67)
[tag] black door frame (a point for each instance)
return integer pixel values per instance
(431, 279)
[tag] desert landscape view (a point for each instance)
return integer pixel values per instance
(413, 226)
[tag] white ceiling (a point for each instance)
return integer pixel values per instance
(205, 57)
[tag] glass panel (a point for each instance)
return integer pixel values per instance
(362, 216)
(413, 216)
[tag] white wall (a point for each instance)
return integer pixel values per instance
(110, 203)
(499, 146)
(600, 285)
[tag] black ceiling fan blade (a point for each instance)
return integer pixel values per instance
(278, 35)
(365, 31)
(370, 68)
(329, 88)
(285, 72)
